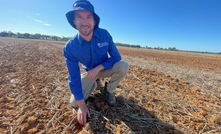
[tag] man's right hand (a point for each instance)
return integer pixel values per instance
(82, 113)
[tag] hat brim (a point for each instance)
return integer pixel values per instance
(70, 17)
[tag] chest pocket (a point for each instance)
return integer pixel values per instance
(102, 48)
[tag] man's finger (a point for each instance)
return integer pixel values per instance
(88, 75)
(79, 119)
(82, 120)
(85, 119)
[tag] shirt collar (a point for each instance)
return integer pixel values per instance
(80, 39)
(95, 35)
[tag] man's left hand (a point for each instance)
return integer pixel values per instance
(93, 72)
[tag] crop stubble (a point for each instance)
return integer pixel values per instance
(34, 94)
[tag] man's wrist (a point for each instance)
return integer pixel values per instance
(81, 103)
(100, 67)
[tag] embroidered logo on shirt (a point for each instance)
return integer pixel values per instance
(102, 44)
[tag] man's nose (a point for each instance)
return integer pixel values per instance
(84, 21)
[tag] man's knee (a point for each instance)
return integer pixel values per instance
(123, 67)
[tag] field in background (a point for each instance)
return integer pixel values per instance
(164, 92)
(202, 70)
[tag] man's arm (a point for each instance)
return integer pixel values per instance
(74, 77)
(113, 52)
(74, 80)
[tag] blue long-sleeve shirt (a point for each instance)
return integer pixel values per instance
(100, 50)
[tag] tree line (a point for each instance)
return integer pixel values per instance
(33, 36)
(128, 45)
(47, 37)
(138, 46)
(57, 38)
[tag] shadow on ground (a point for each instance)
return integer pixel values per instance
(125, 117)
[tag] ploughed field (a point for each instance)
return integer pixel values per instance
(164, 92)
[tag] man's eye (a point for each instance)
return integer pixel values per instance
(89, 18)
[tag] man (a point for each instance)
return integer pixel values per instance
(95, 50)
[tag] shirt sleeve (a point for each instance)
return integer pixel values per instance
(114, 54)
(74, 77)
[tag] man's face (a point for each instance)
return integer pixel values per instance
(84, 22)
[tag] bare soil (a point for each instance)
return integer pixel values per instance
(34, 94)
(182, 65)
(187, 59)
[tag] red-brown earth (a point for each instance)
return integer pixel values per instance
(34, 94)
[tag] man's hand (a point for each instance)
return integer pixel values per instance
(83, 112)
(93, 72)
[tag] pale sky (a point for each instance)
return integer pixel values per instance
(185, 24)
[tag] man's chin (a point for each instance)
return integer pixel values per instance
(86, 33)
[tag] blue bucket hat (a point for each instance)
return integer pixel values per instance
(82, 5)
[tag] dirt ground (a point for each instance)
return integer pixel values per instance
(34, 94)
(187, 59)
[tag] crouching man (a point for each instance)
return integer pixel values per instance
(94, 48)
